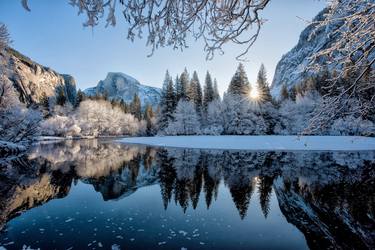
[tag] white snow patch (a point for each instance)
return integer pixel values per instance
(267, 142)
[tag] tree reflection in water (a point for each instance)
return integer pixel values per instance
(329, 196)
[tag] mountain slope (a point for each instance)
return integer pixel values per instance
(32, 80)
(291, 69)
(119, 86)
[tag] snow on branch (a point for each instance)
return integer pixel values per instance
(168, 22)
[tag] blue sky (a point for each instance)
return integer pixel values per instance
(52, 34)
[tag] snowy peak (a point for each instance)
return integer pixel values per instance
(119, 86)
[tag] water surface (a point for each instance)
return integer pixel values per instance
(94, 194)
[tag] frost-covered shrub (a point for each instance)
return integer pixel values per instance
(17, 123)
(213, 130)
(295, 116)
(92, 118)
(60, 126)
(350, 125)
(186, 120)
(242, 117)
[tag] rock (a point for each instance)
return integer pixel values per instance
(32, 80)
(119, 86)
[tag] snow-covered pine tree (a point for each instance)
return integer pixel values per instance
(177, 88)
(216, 91)
(186, 120)
(262, 86)
(191, 94)
(183, 87)
(239, 85)
(215, 120)
(199, 96)
(167, 102)
(208, 92)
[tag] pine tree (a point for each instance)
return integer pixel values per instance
(61, 98)
(167, 102)
(148, 116)
(135, 107)
(284, 93)
(44, 101)
(216, 91)
(195, 93)
(191, 94)
(177, 87)
(262, 85)
(239, 84)
(183, 86)
(79, 98)
(199, 97)
(208, 92)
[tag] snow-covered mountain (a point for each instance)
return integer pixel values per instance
(291, 69)
(121, 86)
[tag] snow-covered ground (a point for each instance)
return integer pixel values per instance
(271, 142)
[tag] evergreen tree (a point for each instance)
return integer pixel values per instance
(61, 98)
(135, 107)
(183, 86)
(216, 91)
(239, 84)
(208, 92)
(191, 94)
(199, 99)
(148, 116)
(167, 102)
(284, 93)
(195, 93)
(262, 85)
(79, 98)
(177, 87)
(44, 101)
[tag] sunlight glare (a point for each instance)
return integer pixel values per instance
(254, 93)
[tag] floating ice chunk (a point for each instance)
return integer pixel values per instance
(115, 247)
(100, 244)
(119, 237)
(69, 220)
(182, 232)
(162, 243)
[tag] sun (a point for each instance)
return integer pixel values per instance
(254, 94)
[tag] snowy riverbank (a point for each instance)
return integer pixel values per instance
(271, 142)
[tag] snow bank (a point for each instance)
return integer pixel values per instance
(271, 142)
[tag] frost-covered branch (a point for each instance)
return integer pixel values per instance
(168, 22)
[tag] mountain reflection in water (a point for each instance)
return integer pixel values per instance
(328, 196)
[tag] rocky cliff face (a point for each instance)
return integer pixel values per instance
(121, 86)
(32, 80)
(291, 69)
